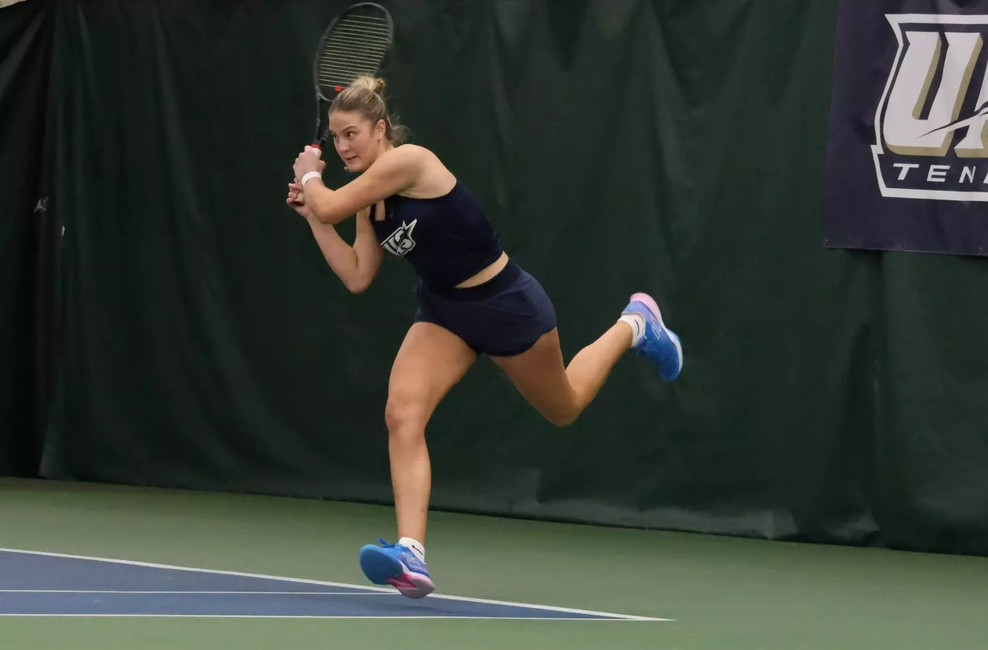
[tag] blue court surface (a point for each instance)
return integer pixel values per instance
(47, 584)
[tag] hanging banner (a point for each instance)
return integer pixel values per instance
(907, 164)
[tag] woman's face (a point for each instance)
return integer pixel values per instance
(357, 140)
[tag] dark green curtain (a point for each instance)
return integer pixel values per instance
(672, 147)
(25, 61)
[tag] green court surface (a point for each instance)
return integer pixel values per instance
(721, 593)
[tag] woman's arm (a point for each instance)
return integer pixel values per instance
(394, 171)
(355, 265)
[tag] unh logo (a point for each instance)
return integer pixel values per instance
(400, 242)
(932, 124)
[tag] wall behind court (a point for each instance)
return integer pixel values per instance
(619, 146)
(25, 60)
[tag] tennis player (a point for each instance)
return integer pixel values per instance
(472, 300)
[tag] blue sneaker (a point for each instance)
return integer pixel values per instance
(659, 344)
(398, 566)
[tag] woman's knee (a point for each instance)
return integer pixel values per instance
(564, 416)
(405, 416)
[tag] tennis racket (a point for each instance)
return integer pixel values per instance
(354, 44)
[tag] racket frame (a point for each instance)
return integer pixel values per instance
(323, 101)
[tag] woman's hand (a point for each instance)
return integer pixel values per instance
(308, 161)
(294, 192)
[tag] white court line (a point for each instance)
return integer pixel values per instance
(196, 593)
(410, 617)
(547, 608)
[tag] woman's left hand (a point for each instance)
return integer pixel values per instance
(306, 162)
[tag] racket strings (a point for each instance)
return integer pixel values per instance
(358, 54)
(355, 47)
(355, 32)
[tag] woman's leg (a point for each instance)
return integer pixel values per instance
(560, 393)
(430, 362)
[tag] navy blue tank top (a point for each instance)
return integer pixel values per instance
(447, 239)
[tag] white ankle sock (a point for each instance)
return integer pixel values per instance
(414, 545)
(637, 322)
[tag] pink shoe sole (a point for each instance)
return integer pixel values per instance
(649, 302)
(412, 585)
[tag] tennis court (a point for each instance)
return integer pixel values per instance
(106, 567)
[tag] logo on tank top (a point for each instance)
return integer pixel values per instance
(400, 242)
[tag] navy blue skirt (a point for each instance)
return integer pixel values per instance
(502, 317)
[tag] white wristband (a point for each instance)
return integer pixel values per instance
(310, 176)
